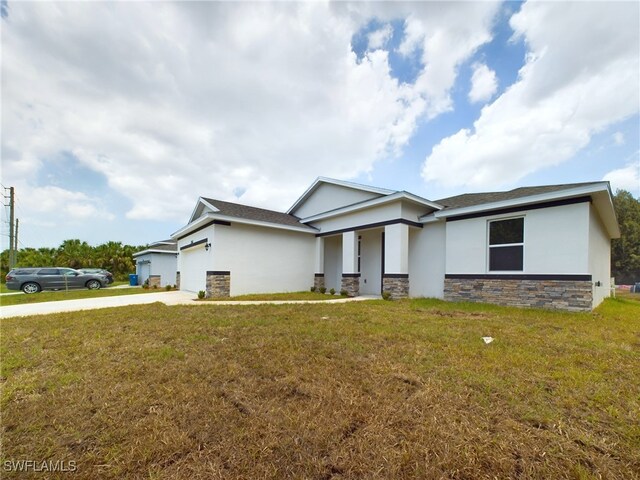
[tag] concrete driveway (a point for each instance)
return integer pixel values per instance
(168, 298)
(44, 308)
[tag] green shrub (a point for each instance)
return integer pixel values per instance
(323, 289)
(344, 293)
(386, 296)
(155, 287)
(145, 286)
(332, 291)
(313, 289)
(168, 288)
(201, 294)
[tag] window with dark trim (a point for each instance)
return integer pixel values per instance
(506, 245)
(359, 246)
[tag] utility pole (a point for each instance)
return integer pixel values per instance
(12, 260)
(15, 242)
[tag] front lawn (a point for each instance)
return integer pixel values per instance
(54, 296)
(377, 389)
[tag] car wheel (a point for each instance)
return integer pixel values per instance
(93, 285)
(31, 287)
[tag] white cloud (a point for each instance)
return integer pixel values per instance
(445, 41)
(618, 138)
(580, 77)
(626, 178)
(174, 100)
(379, 38)
(62, 205)
(484, 83)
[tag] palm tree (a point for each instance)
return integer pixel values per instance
(74, 254)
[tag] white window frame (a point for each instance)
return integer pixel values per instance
(519, 244)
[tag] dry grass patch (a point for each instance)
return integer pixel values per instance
(368, 390)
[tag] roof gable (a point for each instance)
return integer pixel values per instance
(327, 194)
(246, 212)
(202, 207)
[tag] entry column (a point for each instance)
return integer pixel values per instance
(395, 280)
(350, 275)
(318, 281)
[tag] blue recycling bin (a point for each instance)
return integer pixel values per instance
(133, 279)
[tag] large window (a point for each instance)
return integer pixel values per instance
(506, 245)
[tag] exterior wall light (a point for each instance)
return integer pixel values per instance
(207, 246)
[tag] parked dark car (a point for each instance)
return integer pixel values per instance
(33, 280)
(100, 271)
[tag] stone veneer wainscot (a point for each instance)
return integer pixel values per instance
(154, 281)
(351, 284)
(218, 284)
(565, 292)
(396, 285)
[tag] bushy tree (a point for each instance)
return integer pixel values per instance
(75, 253)
(625, 251)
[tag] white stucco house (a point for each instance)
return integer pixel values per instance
(158, 263)
(546, 246)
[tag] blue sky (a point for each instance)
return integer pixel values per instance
(117, 116)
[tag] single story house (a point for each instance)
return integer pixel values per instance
(158, 263)
(545, 246)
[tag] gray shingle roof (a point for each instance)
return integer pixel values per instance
(253, 213)
(169, 246)
(473, 199)
(164, 247)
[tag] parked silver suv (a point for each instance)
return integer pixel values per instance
(33, 280)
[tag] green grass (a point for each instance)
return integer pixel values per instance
(278, 296)
(55, 296)
(378, 389)
(625, 294)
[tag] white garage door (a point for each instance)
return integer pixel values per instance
(193, 273)
(145, 271)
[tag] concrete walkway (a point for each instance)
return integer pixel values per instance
(168, 298)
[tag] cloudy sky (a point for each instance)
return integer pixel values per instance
(117, 116)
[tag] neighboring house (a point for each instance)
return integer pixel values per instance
(157, 263)
(545, 246)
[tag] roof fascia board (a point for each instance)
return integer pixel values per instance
(192, 225)
(151, 250)
(301, 228)
(372, 203)
(214, 216)
(542, 197)
(431, 218)
(341, 183)
(611, 222)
